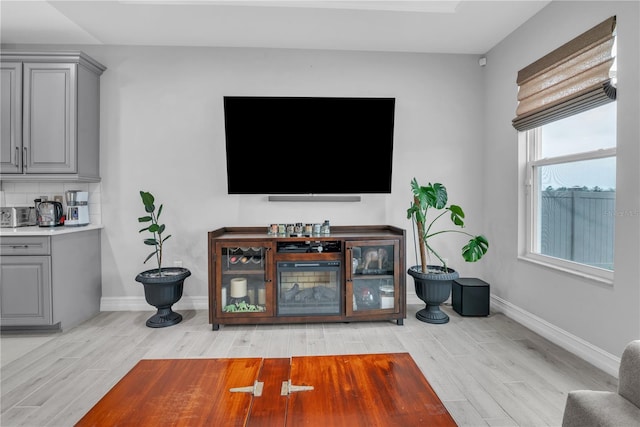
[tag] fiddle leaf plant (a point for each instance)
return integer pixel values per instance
(155, 228)
(428, 206)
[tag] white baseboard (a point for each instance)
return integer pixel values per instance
(573, 344)
(185, 303)
(140, 304)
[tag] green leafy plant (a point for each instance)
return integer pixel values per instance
(433, 197)
(242, 306)
(155, 228)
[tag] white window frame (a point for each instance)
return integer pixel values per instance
(529, 222)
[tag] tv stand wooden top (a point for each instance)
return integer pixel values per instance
(338, 232)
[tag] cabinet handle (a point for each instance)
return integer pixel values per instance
(20, 247)
(287, 388)
(17, 157)
(267, 270)
(24, 158)
(255, 389)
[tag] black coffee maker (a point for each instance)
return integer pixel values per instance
(49, 214)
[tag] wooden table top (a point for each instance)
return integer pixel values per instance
(344, 390)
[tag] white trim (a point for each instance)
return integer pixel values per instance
(583, 271)
(575, 345)
(185, 303)
(140, 304)
(602, 153)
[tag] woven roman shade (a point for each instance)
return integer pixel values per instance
(569, 80)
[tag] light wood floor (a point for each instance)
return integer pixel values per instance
(487, 371)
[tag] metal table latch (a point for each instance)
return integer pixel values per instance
(256, 389)
(288, 388)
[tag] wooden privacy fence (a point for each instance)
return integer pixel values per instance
(578, 225)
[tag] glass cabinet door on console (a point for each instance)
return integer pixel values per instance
(245, 285)
(372, 271)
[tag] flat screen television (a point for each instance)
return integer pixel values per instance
(308, 145)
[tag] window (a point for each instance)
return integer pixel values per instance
(570, 187)
(567, 117)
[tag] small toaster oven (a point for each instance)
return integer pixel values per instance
(18, 216)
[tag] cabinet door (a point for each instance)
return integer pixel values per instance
(11, 111)
(26, 290)
(244, 282)
(372, 277)
(49, 113)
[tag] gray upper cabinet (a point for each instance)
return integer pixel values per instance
(11, 110)
(50, 117)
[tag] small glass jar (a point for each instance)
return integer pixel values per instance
(386, 296)
(317, 228)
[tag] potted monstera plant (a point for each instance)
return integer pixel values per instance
(162, 285)
(433, 280)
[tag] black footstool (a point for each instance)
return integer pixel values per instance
(470, 297)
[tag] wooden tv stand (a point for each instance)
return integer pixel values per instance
(355, 273)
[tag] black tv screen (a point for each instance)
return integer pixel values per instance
(308, 145)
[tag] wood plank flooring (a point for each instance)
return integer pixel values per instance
(488, 371)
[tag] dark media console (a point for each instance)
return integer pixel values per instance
(356, 273)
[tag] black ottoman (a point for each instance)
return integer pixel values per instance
(470, 297)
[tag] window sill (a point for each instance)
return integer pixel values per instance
(602, 277)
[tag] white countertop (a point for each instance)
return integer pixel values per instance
(46, 231)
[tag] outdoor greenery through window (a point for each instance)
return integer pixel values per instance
(571, 169)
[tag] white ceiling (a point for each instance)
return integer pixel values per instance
(449, 26)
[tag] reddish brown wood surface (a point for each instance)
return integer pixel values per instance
(373, 390)
(270, 409)
(178, 392)
(363, 390)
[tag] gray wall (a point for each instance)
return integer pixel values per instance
(605, 316)
(163, 131)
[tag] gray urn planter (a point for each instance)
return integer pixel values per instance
(433, 289)
(162, 291)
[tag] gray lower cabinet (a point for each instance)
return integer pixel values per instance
(26, 290)
(49, 282)
(50, 116)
